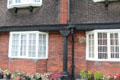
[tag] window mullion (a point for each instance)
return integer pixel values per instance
(13, 2)
(42, 47)
(46, 45)
(37, 44)
(119, 43)
(108, 46)
(19, 46)
(87, 46)
(96, 45)
(10, 44)
(22, 1)
(27, 45)
(30, 1)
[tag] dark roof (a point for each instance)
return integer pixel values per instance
(48, 13)
(85, 15)
(87, 11)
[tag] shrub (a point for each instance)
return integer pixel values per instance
(83, 74)
(89, 75)
(97, 75)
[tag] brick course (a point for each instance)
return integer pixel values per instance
(63, 11)
(54, 61)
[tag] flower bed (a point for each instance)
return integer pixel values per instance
(7, 75)
(87, 75)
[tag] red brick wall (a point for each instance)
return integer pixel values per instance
(54, 61)
(80, 62)
(107, 68)
(52, 64)
(63, 11)
(4, 37)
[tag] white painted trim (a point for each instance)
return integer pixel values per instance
(104, 30)
(19, 44)
(27, 44)
(108, 44)
(119, 41)
(27, 57)
(98, 0)
(37, 42)
(103, 0)
(24, 4)
(96, 45)
(47, 44)
(10, 37)
(109, 60)
(87, 46)
(95, 32)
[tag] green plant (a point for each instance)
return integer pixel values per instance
(15, 74)
(31, 76)
(6, 72)
(83, 74)
(106, 78)
(81, 39)
(1, 71)
(37, 76)
(97, 75)
(22, 73)
(89, 75)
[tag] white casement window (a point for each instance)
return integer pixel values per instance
(23, 3)
(103, 0)
(103, 45)
(32, 45)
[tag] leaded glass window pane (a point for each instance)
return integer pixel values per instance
(15, 45)
(102, 46)
(91, 45)
(114, 45)
(32, 45)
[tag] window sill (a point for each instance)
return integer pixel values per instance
(103, 0)
(24, 5)
(27, 58)
(104, 60)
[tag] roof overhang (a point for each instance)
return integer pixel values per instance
(57, 27)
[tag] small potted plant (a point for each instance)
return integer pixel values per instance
(45, 76)
(7, 74)
(97, 75)
(37, 76)
(105, 78)
(15, 76)
(89, 75)
(83, 75)
(22, 75)
(1, 73)
(81, 39)
(55, 76)
(29, 77)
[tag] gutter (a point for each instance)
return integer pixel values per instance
(58, 27)
(72, 33)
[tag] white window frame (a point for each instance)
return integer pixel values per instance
(95, 32)
(23, 4)
(27, 57)
(103, 0)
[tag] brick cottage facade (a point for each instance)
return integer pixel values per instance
(95, 30)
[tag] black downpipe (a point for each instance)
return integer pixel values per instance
(73, 66)
(72, 32)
